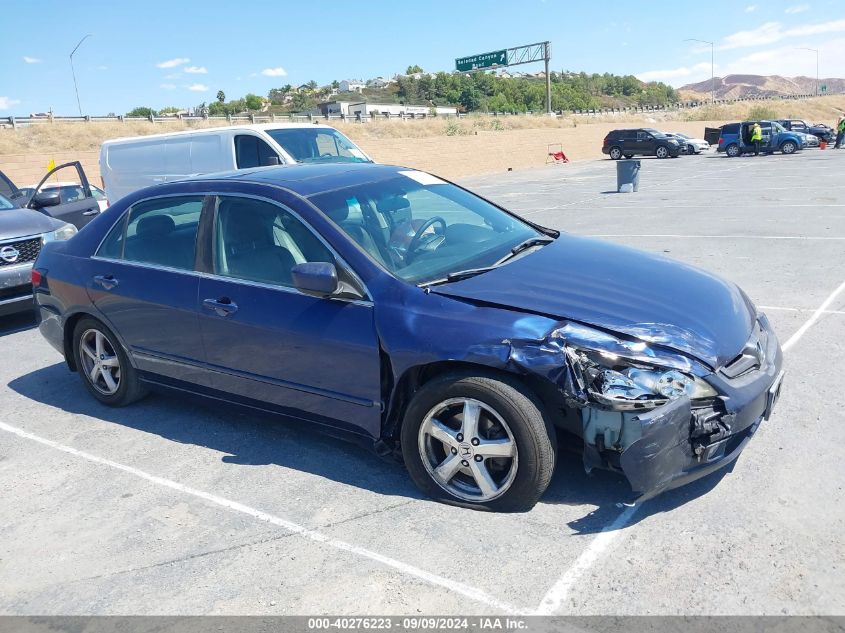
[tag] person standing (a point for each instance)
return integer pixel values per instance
(756, 137)
(840, 132)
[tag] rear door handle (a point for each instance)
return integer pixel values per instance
(106, 281)
(222, 306)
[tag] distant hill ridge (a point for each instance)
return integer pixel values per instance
(739, 86)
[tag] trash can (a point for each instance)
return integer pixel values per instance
(627, 173)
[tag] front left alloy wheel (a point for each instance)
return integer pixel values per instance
(103, 365)
(478, 442)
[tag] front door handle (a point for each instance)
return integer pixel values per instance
(106, 281)
(222, 306)
(91, 211)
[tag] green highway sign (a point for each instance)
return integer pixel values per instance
(484, 60)
(824, 87)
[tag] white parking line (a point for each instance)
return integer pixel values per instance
(560, 590)
(409, 570)
(800, 309)
(722, 237)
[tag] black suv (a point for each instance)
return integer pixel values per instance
(640, 141)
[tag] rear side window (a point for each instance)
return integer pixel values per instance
(251, 151)
(161, 232)
(730, 128)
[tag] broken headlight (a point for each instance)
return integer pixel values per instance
(624, 374)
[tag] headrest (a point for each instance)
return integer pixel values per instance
(155, 225)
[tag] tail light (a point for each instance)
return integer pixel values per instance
(721, 140)
(36, 278)
(604, 142)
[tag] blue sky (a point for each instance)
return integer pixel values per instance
(182, 53)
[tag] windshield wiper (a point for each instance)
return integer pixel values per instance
(524, 246)
(458, 275)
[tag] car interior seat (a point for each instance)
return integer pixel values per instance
(338, 212)
(246, 247)
(156, 241)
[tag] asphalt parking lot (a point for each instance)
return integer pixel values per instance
(170, 507)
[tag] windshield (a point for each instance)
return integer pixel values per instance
(655, 133)
(684, 136)
(778, 127)
(421, 228)
(318, 145)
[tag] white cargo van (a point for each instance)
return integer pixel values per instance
(129, 164)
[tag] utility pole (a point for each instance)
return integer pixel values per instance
(73, 72)
(547, 57)
(712, 67)
(816, 51)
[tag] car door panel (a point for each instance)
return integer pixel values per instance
(267, 342)
(77, 212)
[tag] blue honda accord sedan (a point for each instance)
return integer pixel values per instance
(417, 317)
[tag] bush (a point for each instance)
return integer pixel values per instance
(762, 113)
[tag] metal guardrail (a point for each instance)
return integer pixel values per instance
(14, 121)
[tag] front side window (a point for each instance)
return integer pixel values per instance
(421, 228)
(314, 145)
(260, 241)
(251, 151)
(162, 231)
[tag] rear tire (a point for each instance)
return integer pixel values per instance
(448, 466)
(103, 365)
(615, 153)
(732, 150)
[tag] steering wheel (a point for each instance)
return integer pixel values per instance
(416, 241)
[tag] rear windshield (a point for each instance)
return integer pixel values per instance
(317, 145)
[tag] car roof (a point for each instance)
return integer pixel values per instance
(255, 127)
(309, 180)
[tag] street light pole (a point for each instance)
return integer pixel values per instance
(712, 66)
(73, 72)
(816, 51)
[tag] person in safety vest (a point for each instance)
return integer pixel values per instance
(840, 133)
(756, 137)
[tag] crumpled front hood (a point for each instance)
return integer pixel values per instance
(16, 223)
(629, 291)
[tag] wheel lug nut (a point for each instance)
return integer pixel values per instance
(475, 441)
(460, 437)
(454, 451)
(478, 458)
(464, 462)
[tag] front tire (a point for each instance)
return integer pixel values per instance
(103, 365)
(615, 153)
(788, 148)
(661, 152)
(691, 150)
(478, 442)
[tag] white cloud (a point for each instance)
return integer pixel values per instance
(789, 62)
(196, 70)
(168, 86)
(198, 88)
(6, 103)
(686, 74)
(274, 72)
(772, 32)
(751, 8)
(31, 60)
(173, 63)
(798, 8)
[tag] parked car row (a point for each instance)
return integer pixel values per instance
(650, 142)
(735, 139)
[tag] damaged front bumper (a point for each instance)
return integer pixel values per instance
(659, 444)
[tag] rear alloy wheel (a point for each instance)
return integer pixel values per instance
(788, 147)
(661, 152)
(103, 365)
(732, 150)
(615, 153)
(478, 442)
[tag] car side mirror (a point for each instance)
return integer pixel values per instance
(317, 279)
(45, 199)
(321, 279)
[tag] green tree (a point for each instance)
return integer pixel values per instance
(141, 111)
(253, 102)
(414, 69)
(221, 96)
